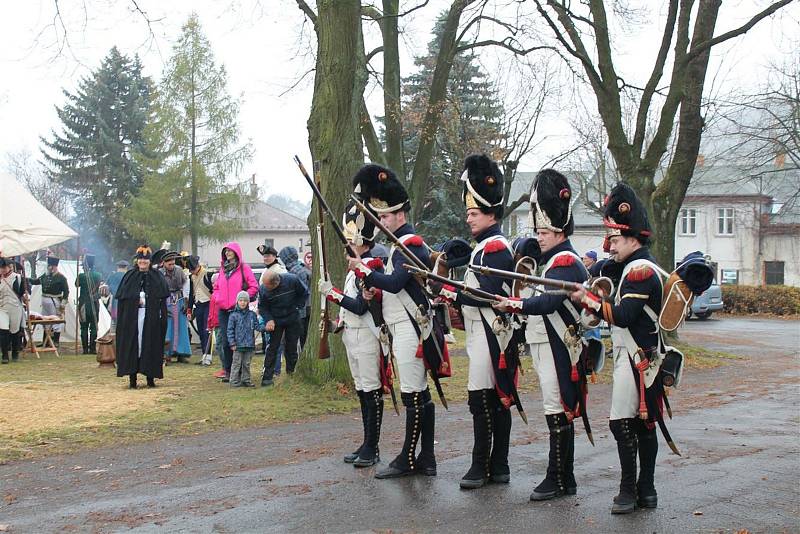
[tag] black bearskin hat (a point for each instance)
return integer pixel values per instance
(379, 187)
(483, 185)
(357, 228)
(52, 261)
(457, 251)
(551, 202)
(624, 214)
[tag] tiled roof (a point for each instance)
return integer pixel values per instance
(262, 216)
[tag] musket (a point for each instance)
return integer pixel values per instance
(474, 291)
(324, 348)
(410, 256)
(527, 278)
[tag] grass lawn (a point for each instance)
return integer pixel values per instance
(60, 405)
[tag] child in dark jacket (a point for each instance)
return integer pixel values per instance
(241, 324)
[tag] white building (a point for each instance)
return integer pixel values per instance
(265, 224)
(748, 223)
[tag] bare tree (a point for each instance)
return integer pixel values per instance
(583, 32)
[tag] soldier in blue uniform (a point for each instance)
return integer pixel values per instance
(404, 305)
(555, 359)
(638, 392)
(491, 345)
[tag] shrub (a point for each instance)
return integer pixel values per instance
(775, 300)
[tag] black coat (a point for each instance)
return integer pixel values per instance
(155, 323)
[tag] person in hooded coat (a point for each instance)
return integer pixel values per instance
(141, 321)
(289, 257)
(235, 276)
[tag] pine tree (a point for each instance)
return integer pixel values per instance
(470, 123)
(93, 158)
(194, 149)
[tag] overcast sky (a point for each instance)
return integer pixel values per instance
(260, 45)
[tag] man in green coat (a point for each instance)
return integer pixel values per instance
(88, 284)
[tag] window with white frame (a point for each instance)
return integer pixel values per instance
(688, 222)
(724, 221)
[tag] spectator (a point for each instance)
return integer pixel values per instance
(289, 257)
(114, 279)
(589, 259)
(270, 256)
(200, 290)
(279, 299)
(243, 321)
(234, 276)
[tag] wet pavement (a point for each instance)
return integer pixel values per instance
(737, 428)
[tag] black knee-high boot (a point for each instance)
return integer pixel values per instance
(482, 410)
(370, 454)
(426, 461)
(405, 463)
(350, 458)
(648, 450)
(570, 485)
(5, 344)
(501, 432)
(16, 345)
(85, 337)
(627, 446)
(553, 484)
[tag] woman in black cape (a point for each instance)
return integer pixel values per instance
(141, 320)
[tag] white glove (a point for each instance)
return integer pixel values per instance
(325, 286)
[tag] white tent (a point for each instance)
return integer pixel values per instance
(26, 225)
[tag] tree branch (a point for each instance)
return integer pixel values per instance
(741, 30)
(655, 76)
(305, 8)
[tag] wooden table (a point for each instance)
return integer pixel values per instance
(48, 345)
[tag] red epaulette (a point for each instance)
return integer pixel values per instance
(493, 246)
(375, 263)
(642, 272)
(414, 241)
(565, 260)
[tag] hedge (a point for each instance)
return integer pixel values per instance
(774, 300)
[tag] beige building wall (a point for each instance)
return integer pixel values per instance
(209, 251)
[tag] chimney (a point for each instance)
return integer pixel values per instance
(701, 160)
(780, 159)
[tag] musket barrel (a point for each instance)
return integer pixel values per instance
(549, 282)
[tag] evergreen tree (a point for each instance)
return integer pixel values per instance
(194, 149)
(471, 122)
(93, 158)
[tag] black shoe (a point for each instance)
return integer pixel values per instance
(226, 380)
(151, 383)
(15, 356)
(183, 359)
(394, 472)
(264, 383)
(366, 462)
(623, 504)
(499, 478)
(546, 490)
(248, 385)
(647, 501)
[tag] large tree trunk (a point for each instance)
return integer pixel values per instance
(391, 87)
(335, 141)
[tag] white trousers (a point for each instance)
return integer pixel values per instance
(363, 351)
(481, 372)
(545, 365)
(624, 393)
(50, 306)
(411, 369)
